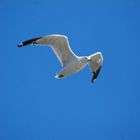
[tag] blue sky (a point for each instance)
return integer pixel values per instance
(36, 106)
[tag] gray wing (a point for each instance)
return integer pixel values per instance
(58, 43)
(95, 64)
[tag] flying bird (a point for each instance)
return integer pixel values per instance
(70, 62)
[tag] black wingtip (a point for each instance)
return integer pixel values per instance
(93, 78)
(95, 75)
(28, 42)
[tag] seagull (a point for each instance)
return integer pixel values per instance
(70, 62)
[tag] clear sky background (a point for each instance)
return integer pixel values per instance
(36, 106)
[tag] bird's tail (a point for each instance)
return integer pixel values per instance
(28, 42)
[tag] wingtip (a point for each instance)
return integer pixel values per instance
(56, 76)
(93, 80)
(20, 45)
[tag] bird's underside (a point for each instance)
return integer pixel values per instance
(70, 62)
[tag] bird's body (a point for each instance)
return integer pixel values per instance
(70, 62)
(71, 68)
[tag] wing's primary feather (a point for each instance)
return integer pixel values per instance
(95, 64)
(95, 74)
(30, 41)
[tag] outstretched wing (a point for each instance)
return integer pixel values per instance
(95, 64)
(58, 43)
